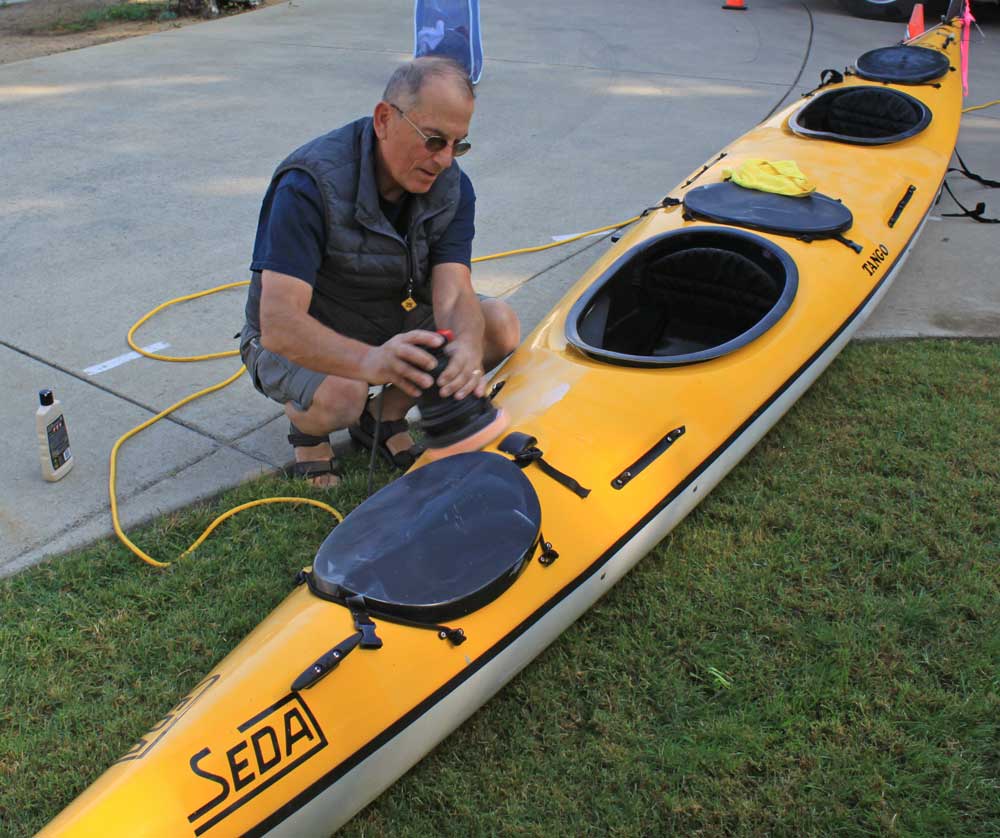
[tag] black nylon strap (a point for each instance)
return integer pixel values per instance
(964, 170)
(524, 451)
(975, 214)
(830, 76)
(363, 623)
(562, 478)
(455, 636)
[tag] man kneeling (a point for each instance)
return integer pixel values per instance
(363, 251)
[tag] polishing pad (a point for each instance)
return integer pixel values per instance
(473, 442)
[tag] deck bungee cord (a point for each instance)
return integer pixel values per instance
(230, 353)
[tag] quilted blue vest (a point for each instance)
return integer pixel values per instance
(367, 265)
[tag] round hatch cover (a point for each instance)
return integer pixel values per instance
(436, 544)
(903, 65)
(812, 215)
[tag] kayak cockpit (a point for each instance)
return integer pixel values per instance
(684, 297)
(862, 115)
(438, 543)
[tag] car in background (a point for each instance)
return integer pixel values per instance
(896, 9)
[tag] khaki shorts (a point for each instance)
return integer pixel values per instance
(277, 377)
(285, 381)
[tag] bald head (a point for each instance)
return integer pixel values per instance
(409, 79)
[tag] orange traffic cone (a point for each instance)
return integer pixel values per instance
(735, 5)
(916, 25)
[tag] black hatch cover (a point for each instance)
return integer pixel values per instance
(437, 543)
(903, 65)
(815, 215)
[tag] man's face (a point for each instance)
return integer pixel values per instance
(442, 109)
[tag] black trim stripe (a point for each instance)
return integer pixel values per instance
(501, 645)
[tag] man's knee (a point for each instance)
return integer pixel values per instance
(503, 329)
(337, 402)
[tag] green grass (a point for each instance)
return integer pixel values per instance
(118, 13)
(814, 651)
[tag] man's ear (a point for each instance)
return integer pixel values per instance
(380, 118)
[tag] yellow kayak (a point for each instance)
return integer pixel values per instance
(657, 372)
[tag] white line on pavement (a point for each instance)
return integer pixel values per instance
(574, 235)
(104, 366)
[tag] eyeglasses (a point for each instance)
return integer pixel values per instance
(433, 143)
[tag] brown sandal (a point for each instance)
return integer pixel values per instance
(363, 433)
(310, 468)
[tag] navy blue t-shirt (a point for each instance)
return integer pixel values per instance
(291, 234)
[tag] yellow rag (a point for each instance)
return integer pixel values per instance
(782, 177)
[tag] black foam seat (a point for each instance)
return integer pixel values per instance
(903, 65)
(720, 292)
(862, 115)
(684, 297)
(816, 216)
(436, 544)
(868, 114)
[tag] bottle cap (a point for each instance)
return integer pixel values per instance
(45, 397)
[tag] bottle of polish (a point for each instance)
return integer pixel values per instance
(53, 439)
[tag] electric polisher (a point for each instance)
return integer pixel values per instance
(453, 426)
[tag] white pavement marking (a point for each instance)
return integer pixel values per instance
(97, 369)
(574, 235)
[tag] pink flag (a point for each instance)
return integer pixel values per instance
(967, 21)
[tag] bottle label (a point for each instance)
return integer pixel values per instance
(58, 442)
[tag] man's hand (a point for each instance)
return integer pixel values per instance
(457, 309)
(400, 361)
(464, 373)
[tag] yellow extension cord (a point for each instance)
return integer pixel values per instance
(228, 354)
(980, 107)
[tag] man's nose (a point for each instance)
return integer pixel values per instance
(444, 157)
